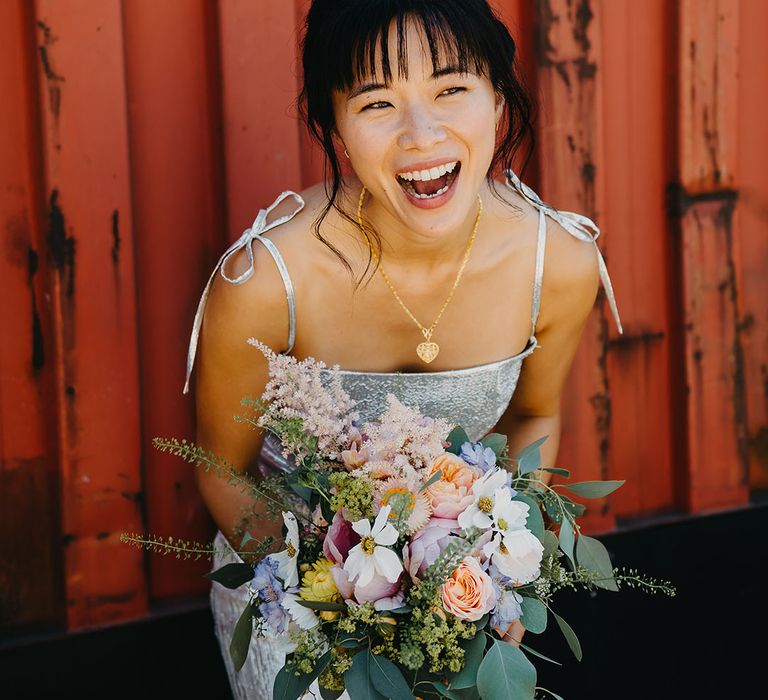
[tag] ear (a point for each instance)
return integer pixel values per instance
(500, 102)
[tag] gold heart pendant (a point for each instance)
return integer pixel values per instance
(427, 351)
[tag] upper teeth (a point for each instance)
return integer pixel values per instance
(431, 174)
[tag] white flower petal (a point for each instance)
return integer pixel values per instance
(354, 562)
(465, 518)
(481, 520)
(362, 527)
(367, 570)
(302, 616)
(293, 528)
(387, 563)
(382, 520)
(388, 536)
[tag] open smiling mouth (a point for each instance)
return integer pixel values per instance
(430, 184)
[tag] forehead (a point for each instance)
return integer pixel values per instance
(406, 45)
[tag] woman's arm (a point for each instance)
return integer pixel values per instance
(229, 369)
(570, 285)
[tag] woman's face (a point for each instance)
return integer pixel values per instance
(423, 145)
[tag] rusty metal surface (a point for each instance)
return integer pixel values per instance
(142, 136)
(705, 201)
(89, 242)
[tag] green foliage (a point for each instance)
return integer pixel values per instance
(354, 494)
(359, 680)
(593, 489)
(457, 437)
(506, 673)
(592, 555)
(241, 637)
(474, 649)
(569, 634)
(496, 441)
(232, 575)
(534, 616)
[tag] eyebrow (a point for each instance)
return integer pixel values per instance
(370, 87)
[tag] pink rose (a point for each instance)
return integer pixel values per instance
(469, 593)
(427, 545)
(451, 494)
(339, 539)
(383, 594)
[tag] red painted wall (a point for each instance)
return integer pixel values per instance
(138, 138)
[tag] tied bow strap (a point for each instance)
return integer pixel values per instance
(259, 227)
(578, 226)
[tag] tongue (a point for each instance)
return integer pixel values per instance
(430, 186)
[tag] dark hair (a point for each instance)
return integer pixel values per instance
(339, 48)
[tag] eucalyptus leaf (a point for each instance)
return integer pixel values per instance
(530, 462)
(557, 470)
(289, 686)
(241, 637)
(293, 479)
(358, 678)
(496, 441)
(535, 521)
(473, 655)
(539, 654)
(534, 617)
(550, 543)
(505, 673)
(592, 555)
(388, 679)
(457, 437)
(247, 537)
(567, 540)
(402, 610)
(232, 575)
(432, 479)
(593, 489)
(321, 605)
(327, 694)
(554, 695)
(534, 446)
(569, 634)
(446, 692)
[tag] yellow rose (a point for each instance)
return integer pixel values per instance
(318, 585)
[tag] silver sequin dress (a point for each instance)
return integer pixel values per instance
(474, 397)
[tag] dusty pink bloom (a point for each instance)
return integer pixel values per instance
(427, 545)
(383, 594)
(339, 539)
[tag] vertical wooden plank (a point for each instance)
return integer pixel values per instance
(178, 191)
(568, 51)
(90, 247)
(706, 202)
(31, 585)
(259, 87)
(752, 259)
(638, 163)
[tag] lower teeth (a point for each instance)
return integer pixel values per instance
(442, 190)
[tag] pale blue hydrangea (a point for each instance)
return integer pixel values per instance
(478, 455)
(508, 601)
(270, 593)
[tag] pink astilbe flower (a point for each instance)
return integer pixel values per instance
(404, 438)
(297, 389)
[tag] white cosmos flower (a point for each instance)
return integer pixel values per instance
(371, 556)
(484, 490)
(507, 514)
(287, 567)
(516, 553)
(300, 614)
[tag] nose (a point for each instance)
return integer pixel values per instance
(420, 129)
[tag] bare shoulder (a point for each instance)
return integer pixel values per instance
(571, 277)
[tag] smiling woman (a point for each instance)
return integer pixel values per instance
(423, 98)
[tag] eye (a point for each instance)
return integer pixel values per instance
(376, 105)
(452, 90)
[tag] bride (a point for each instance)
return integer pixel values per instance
(417, 272)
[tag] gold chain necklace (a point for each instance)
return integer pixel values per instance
(428, 349)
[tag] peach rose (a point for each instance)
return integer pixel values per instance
(451, 494)
(469, 593)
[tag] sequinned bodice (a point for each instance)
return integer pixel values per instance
(473, 397)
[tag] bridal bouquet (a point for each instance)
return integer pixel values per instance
(408, 549)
